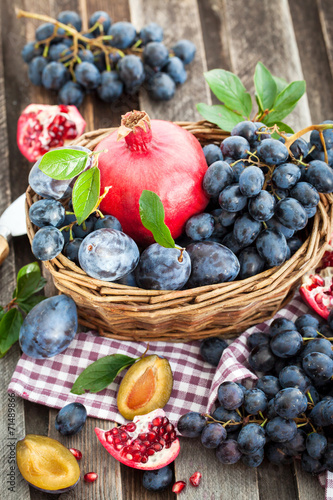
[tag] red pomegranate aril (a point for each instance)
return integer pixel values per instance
(169, 427)
(144, 459)
(178, 487)
(142, 436)
(166, 436)
(172, 436)
(143, 448)
(195, 479)
(157, 446)
(114, 431)
(165, 421)
(123, 436)
(137, 457)
(162, 441)
(161, 431)
(168, 445)
(90, 477)
(157, 421)
(151, 436)
(117, 440)
(131, 427)
(77, 453)
(146, 443)
(150, 452)
(155, 429)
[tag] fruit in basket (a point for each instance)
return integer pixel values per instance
(108, 254)
(46, 464)
(70, 419)
(151, 155)
(42, 127)
(49, 327)
(146, 386)
(157, 480)
(47, 213)
(48, 242)
(147, 443)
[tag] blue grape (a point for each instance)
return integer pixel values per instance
(257, 338)
(231, 198)
(255, 400)
(318, 366)
(320, 155)
(259, 136)
(310, 464)
(254, 459)
(237, 169)
(44, 31)
(250, 263)
(211, 263)
(229, 241)
(251, 438)
(228, 452)
(156, 55)
(163, 268)
(54, 76)
(212, 153)
(318, 345)
(285, 176)
(218, 176)
(235, 147)
(291, 214)
(123, 35)
(131, 71)
(246, 230)
(269, 384)
(280, 325)
(230, 395)
(299, 148)
(321, 414)
(71, 18)
(71, 93)
(320, 175)
(157, 480)
(227, 218)
(276, 454)
(111, 87)
(245, 129)
(59, 51)
(287, 343)
(175, 69)
(70, 419)
(275, 224)
(272, 152)
(211, 349)
(306, 194)
(199, 227)
(290, 402)
(30, 51)
(296, 445)
(152, 32)
(36, 68)
(311, 212)
(325, 330)
(294, 244)
(328, 458)
(48, 242)
(313, 393)
(185, 50)
(316, 445)
(108, 221)
(87, 75)
(262, 359)
(47, 213)
(128, 280)
(86, 55)
(71, 250)
(108, 255)
(294, 376)
(251, 181)
(212, 435)
(261, 207)
(191, 424)
(328, 138)
(102, 18)
(272, 246)
(223, 415)
(49, 327)
(281, 430)
(270, 412)
(219, 230)
(162, 87)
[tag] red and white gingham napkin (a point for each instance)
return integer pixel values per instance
(49, 381)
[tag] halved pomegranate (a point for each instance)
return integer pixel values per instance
(42, 127)
(147, 443)
(317, 285)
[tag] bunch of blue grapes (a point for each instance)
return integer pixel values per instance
(289, 414)
(262, 195)
(113, 58)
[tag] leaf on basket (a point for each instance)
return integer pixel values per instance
(152, 217)
(101, 373)
(86, 194)
(63, 164)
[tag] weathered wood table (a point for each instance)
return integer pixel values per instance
(295, 40)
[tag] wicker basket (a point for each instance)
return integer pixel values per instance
(225, 309)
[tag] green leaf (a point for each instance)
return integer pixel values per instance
(229, 89)
(29, 281)
(101, 373)
(265, 85)
(152, 217)
(9, 330)
(285, 102)
(62, 164)
(27, 304)
(86, 193)
(2, 312)
(220, 115)
(281, 84)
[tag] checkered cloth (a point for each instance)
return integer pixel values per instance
(49, 381)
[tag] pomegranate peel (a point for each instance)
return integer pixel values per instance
(142, 444)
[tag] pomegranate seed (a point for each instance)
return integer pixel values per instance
(161, 431)
(165, 421)
(144, 459)
(146, 443)
(151, 436)
(77, 453)
(142, 436)
(172, 436)
(90, 477)
(122, 428)
(63, 108)
(157, 421)
(118, 446)
(167, 446)
(178, 487)
(123, 436)
(114, 431)
(157, 446)
(131, 427)
(155, 429)
(150, 452)
(162, 441)
(165, 436)
(129, 456)
(169, 428)
(117, 440)
(143, 448)
(195, 479)
(137, 457)
(109, 438)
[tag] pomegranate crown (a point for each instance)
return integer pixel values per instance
(135, 128)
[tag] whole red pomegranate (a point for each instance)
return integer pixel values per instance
(42, 127)
(158, 156)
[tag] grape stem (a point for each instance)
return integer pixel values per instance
(319, 128)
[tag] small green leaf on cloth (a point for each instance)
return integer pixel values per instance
(152, 217)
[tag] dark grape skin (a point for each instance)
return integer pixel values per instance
(294, 243)
(48, 242)
(276, 454)
(328, 458)
(218, 176)
(246, 129)
(87, 75)
(272, 152)
(47, 213)
(161, 87)
(272, 247)
(36, 68)
(156, 55)
(287, 344)
(291, 214)
(320, 175)
(269, 384)
(296, 445)
(191, 424)
(71, 250)
(108, 221)
(175, 69)
(251, 181)
(254, 459)
(70, 17)
(152, 32)
(251, 263)
(212, 153)
(285, 176)
(318, 366)
(228, 452)
(199, 227)
(231, 199)
(29, 51)
(255, 401)
(54, 76)
(213, 434)
(294, 376)
(235, 147)
(328, 137)
(71, 93)
(237, 168)
(318, 345)
(275, 224)
(70, 419)
(316, 445)
(123, 35)
(230, 395)
(251, 438)
(281, 430)
(111, 87)
(185, 50)
(262, 359)
(157, 480)
(280, 325)
(223, 415)
(306, 320)
(257, 338)
(103, 18)
(290, 402)
(81, 231)
(227, 218)
(246, 230)
(306, 194)
(229, 241)
(310, 464)
(261, 207)
(211, 349)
